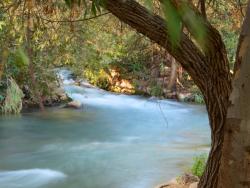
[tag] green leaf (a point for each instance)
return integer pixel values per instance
(194, 23)
(93, 8)
(149, 4)
(68, 2)
(173, 21)
(1, 98)
(21, 59)
(2, 23)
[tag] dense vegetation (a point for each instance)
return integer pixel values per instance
(101, 49)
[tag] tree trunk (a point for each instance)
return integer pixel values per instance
(208, 68)
(4, 59)
(235, 167)
(216, 94)
(30, 5)
(173, 76)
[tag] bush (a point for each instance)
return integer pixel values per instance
(98, 78)
(13, 100)
(199, 165)
(156, 91)
(198, 97)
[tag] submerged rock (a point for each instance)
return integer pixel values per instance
(187, 179)
(185, 97)
(184, 181)
(74, 104)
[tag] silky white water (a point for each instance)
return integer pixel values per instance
(114, 141)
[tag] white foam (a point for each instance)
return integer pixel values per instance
(29, 178)
(68, 82)
(131, 138)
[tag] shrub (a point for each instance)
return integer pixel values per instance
(13, 99)
(199, 165)
(156, 91)
(98, 78)
(198, 97)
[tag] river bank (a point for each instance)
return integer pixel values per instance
(58, 97)
(162, 78)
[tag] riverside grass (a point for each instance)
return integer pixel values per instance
(13, 100)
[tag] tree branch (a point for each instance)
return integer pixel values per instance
(154, 27)
(70, 21)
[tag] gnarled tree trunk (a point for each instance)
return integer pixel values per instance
(209, 70)
(235, 167)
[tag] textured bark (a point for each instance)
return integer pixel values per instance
(4, 57)
(1, 70)
(208, 68)
(235, 167)
(173, 76)
(29, 33)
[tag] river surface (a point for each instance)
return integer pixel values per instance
(115, 141)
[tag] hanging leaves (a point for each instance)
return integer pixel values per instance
(183, 15)
(173, 21)
(21, 59)
(149, 4)
(193, 22)
(94, 6)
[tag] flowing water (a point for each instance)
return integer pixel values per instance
(114, 141)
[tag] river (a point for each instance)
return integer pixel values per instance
(114, 141)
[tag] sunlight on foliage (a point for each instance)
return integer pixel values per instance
(175, 16)
(21, 58)
(13, 99)
(2, 23)
(199, 165)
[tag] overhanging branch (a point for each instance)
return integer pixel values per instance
(154, 27)
(71, 21)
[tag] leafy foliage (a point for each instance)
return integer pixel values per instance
(13, 99)
(199, 165)
(98, 78)
(62, 36)
(198, 97)
(156, 91)
(174, 22)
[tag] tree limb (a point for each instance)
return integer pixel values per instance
(154, 27)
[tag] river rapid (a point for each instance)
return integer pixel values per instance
(114, 141)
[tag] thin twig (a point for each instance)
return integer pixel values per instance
(79, 20)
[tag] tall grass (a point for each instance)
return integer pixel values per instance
(13, 99)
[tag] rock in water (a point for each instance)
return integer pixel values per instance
(74, 104)
(193, 185)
